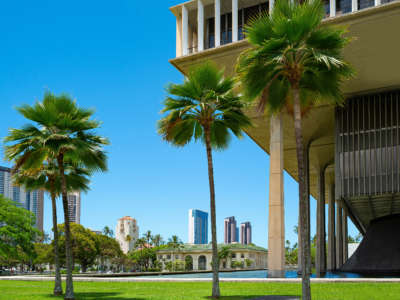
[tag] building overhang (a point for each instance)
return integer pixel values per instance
(374, 53)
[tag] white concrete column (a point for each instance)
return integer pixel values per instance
(178, 36)
(354, 5)
(331, 230)
(185, 31)
(276, 220)
(320, 261)
(235, 21)
(339, 235)
(377, 2)
(332, 8)
(217, 23)
(200, 25)
(271, 5)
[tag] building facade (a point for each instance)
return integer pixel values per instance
(30, 200)
(199, 257)
(198, 227)
(245, 233)
(127, 233)
(231, 231)
(352, 151)
(74, 207)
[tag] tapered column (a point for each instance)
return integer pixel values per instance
(332, 8)
(217, 23)
(178, 36)
(339, 235)
(271, 5)
(185, 30)
(320, 265)
(331, 230)
(200, 25)
(354, 5)
(276, 220)
(345, 238)
(235, 20)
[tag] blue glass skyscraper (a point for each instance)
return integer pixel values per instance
(198, 227)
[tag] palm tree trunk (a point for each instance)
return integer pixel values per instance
(57, 284)
(215, 263)
(304, 224)
(69, 289)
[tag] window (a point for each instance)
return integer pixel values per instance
(233, 255)
(169, 256)
(242, 256)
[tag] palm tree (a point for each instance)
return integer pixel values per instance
(157, 240)
(204, 107)
(294, 62)
(65, 133)
(224, 253)
(47, 178)
(148, 237)
(107, 231)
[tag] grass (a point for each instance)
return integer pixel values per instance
(30, 290)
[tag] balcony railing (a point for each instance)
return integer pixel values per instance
(206, 32)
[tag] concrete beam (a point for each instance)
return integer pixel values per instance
(276, 220)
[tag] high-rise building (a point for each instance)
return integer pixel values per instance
(30, 200)
(127, 233)
(198, 227)
(355, 146)
(245, 233)
(231, 231)
(74, 207)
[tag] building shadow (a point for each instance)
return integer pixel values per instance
(259, 297)
(96, 296)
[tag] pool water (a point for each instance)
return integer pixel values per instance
(256, 274)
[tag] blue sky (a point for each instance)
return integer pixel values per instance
(113, 56)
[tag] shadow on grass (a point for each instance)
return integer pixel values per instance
(96, 296)
(258, 297)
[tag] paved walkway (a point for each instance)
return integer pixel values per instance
(165, 279)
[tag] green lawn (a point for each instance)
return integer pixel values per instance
(24, 290)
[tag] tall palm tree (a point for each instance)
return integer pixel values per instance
(66, 134)
(107, 231)
(148, 237)
(295, 61)
(157, 240)
(204, 108)
(47, 178)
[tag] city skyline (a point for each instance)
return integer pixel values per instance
(30, 200)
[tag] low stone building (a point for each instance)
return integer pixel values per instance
(199, 257)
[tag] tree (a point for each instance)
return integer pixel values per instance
(157, 240)
(46, 177)
(143, 258)
(294, 62)
(204, 108)
(108, 249)
(148, 237)
(66, 135)
(108, 231)
(43, 254)
(224, 253)
(174, 242)
(83, 244)
(17, 231)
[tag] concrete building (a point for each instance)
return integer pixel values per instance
(352, 151)
(30, 200)
(74, 207)
(245, 233)
(198, 227)
(200, 256)
(127, 233)
(231, 232)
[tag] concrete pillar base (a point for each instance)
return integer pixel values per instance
(276, 273)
